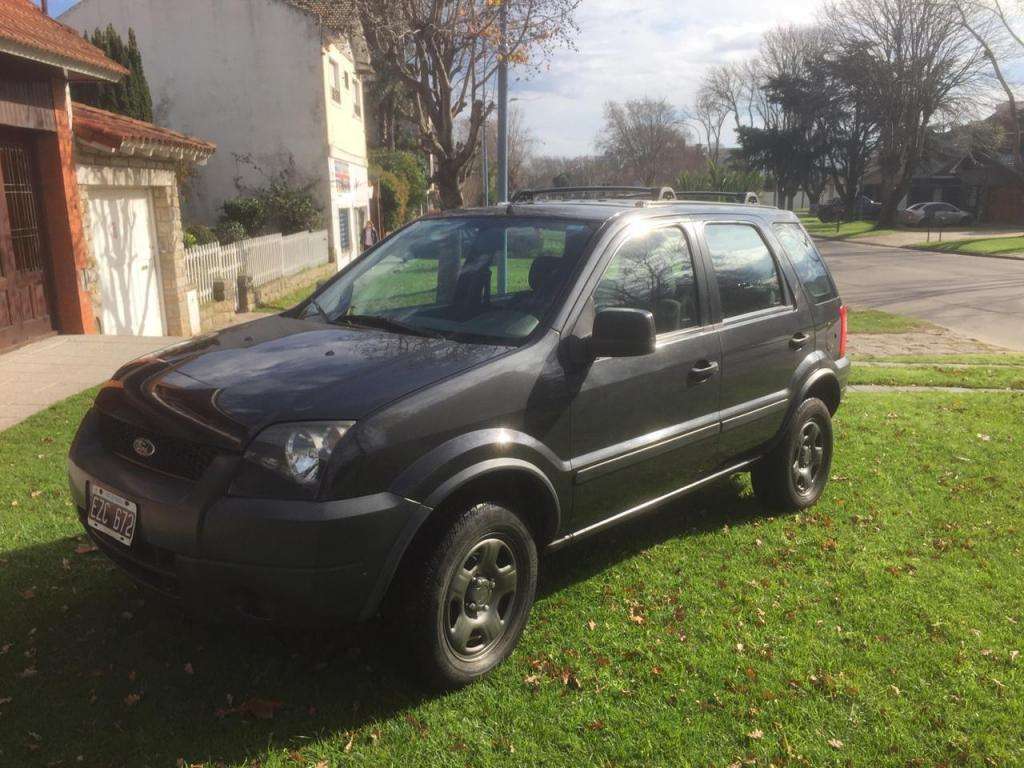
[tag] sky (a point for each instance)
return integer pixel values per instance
(632, 48)
(628, 49)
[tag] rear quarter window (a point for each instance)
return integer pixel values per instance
(806, 261)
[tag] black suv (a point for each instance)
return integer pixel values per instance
(480, 387)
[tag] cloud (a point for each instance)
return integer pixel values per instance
(657, 48)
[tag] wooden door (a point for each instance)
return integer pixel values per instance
(24, 305)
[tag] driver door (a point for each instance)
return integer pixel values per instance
(645, 426)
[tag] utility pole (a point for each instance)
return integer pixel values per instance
(485, 169)
(503, 139)
(503, 106)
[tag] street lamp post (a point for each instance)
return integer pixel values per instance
(503, 139)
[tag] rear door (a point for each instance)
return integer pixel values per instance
(766, 331)
(645, 426)
(815, 281)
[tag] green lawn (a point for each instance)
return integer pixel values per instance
(412, 283)
(940, 375)
(876, 321)
(847, 229)
(979, 245)
(1011, 359)
(883, 627)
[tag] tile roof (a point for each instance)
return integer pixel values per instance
(27, 32)
(341, 18)
(118, 133)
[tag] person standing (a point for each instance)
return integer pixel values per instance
(369, 235)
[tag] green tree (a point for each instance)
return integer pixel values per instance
(408, 167)
(130, 96)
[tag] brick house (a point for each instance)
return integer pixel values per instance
(43, 253)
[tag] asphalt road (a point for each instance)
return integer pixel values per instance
(981, 298)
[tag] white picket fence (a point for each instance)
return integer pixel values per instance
(263, 259)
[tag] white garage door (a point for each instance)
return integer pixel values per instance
(124, 246)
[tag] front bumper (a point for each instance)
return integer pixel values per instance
(253, 558)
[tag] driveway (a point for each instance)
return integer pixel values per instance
(45, 372)
(978, 297)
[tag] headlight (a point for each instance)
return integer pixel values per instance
(288, 459)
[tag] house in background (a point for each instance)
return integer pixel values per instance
(276, 84)
(127, 174)
(43, 254)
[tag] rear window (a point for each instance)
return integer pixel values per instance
(806, 261)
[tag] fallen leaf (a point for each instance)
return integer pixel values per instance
(984, 438)
(85, 549)
(261, 709)
(757, 733)
(132, 699)
(835, 743)
(591, 625)
(6, 700)
(188, 669)
(29, 593)
(597, 725)
(27, 672)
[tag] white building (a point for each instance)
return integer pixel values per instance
(275, 84)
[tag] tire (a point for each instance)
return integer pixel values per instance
(794, 474)
(466, 599)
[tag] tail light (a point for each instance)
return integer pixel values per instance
(843, 330)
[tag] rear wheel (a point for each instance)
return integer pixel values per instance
(794, 474)
(467, 600)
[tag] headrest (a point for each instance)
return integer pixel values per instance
(544, 273)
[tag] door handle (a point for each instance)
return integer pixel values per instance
(704, 370)
(799, 340)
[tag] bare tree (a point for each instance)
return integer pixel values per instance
(988, 23)
(710, 112)
(914, 61)
(645, 138)
(445, 53)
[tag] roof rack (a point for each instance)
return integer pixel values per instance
(717, 196)
(594, 193)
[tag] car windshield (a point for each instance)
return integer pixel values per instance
(484, 279)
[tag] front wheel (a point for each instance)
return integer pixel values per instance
(468, 599)
(794, 474)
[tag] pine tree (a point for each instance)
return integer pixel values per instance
(130, 96)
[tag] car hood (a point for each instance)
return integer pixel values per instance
(225, 387)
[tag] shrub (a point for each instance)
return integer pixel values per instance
(200, 234)
(407, 167)
(394, 195)
(249, 211)
(229, 231)
(290, 207)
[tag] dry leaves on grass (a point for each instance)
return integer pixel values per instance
(260, 709)
(85, 549)
(132, 699)
(757, 733)
(835, 743)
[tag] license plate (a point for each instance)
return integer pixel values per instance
(112, 514)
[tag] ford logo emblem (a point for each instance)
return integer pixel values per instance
(143, 447)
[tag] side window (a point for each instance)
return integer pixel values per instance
(806, 261)
(335, 83)
(653, 271)
(748, 279)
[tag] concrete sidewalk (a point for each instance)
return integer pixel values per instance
(45, 372)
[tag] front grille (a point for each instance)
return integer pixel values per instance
(172, 456)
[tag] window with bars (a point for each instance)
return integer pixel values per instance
(15, 173)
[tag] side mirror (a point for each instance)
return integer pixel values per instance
(622, 332)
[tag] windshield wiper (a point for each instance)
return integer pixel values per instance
(385, 323)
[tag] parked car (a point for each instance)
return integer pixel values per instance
(409, 439)
(835, 209)
(934, 215)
